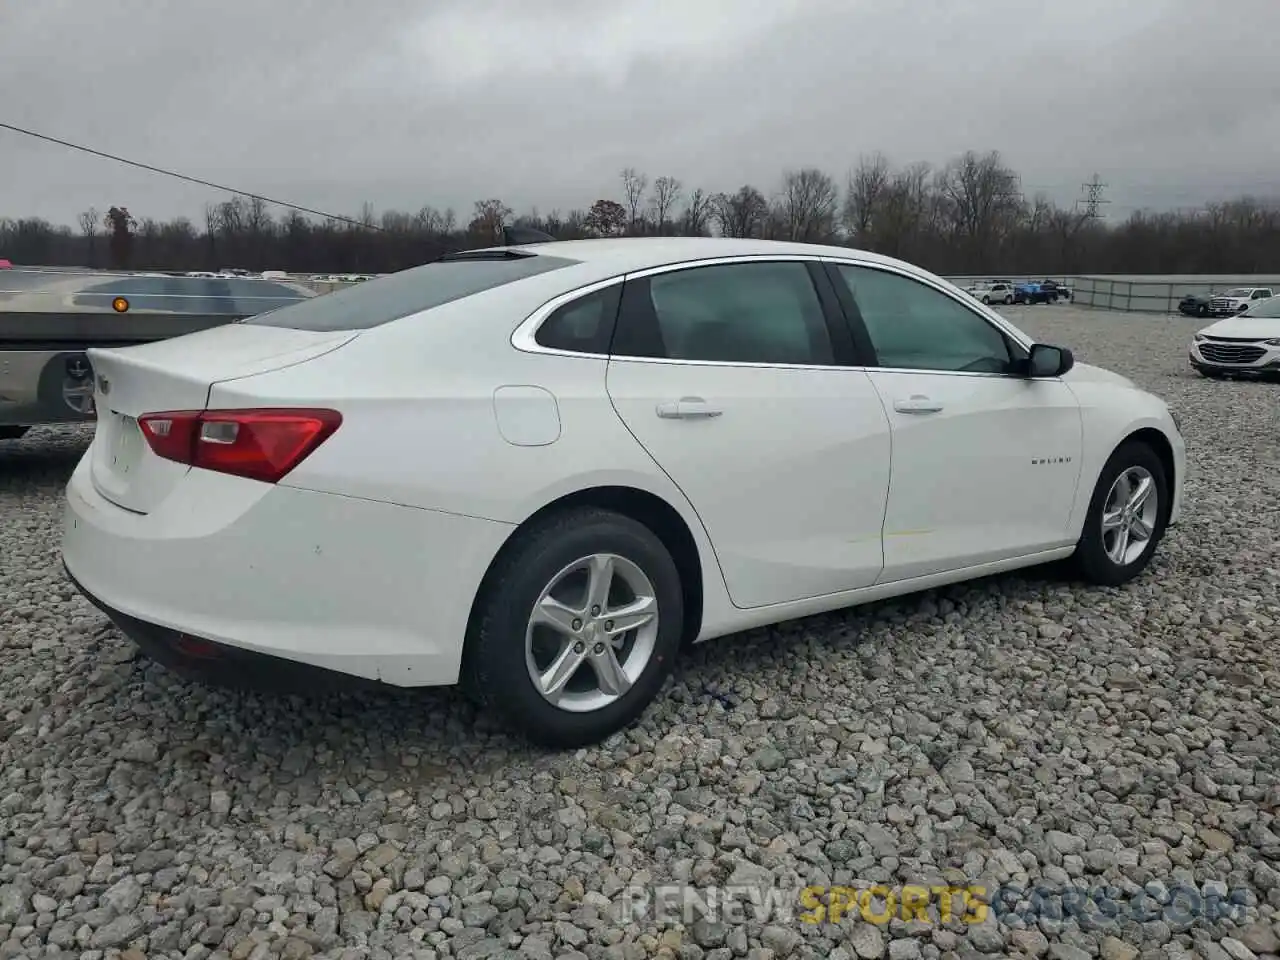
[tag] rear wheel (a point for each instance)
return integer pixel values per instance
(1008, 300)
(987, 301)
(1126, 518)
(577, 628)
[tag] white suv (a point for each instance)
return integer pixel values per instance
(1248, 342)
(990, 293)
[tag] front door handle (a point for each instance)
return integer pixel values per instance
(687, 408)
(917, 403)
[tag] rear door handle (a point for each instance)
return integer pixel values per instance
(687, 408)
(917, 403)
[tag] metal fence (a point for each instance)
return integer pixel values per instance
(1157, 294)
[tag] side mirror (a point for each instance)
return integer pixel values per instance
(1047, 361)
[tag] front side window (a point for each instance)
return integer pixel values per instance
(915, 327)
(766, 313)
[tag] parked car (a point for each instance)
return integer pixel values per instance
(5, 264)
(992, 292)
(1237, 300)
(538, 471)
(1036, 292)
(1245, 343)
(1195, 304)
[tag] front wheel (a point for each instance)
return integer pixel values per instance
(576, 629)
(1008, 300)
(987, 301)
(1202, 310)
(1126, 518)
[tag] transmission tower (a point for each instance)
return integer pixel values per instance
(1092, 199)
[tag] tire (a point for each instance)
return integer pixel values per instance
(987, 301)
(498, 659)
(13, 433)
(1202, 310)
(1008, 300)
(1133, 460)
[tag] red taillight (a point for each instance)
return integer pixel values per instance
(257, 444)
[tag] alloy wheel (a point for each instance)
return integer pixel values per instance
(592, 633)
(1129, 515)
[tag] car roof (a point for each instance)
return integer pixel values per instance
(614, 256)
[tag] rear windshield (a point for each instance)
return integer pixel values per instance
(375, 302)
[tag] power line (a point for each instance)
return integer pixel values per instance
(183, 176)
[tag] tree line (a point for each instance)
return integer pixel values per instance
(965, 217)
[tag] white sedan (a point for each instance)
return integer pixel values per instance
(1247, 343)
(537, 471)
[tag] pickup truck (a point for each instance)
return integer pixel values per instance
(49, 319)
(1237, 300)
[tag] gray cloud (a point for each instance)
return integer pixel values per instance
(331, 103)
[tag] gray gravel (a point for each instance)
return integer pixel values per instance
(1021, 731)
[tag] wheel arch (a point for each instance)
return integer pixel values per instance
(645, 508)
(1157, 441)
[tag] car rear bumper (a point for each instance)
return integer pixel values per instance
(368, 589)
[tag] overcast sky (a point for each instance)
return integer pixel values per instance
(330, 103)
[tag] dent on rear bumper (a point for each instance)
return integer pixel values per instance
(370, 589)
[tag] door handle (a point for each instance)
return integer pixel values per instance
(687, 408)
(917, 403)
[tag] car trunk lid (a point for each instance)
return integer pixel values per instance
(177, 374)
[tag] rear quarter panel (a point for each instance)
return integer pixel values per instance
(420, 428)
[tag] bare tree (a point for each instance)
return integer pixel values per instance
(906, 208)
(666, 193)
(697, 212)
(868, 182)
(981, 202)
(634, 185)
(89, 221)
(488, 219)
(740, 214)
(807, 204)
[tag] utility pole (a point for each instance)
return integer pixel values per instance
(1092, 199)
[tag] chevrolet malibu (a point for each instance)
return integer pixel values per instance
(537, 471)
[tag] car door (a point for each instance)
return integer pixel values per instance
(737, 377)
(985, 460)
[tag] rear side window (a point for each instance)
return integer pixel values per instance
(767, 312)
(375, 302)
(583, 326)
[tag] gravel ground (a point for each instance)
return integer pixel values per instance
(1020, 731)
